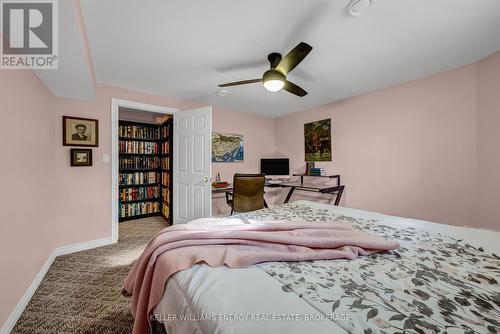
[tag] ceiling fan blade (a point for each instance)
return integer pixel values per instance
(237, 83)
(241, 66)
(294, 89)
(293, 58)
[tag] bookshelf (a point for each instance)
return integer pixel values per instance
(141, 170)
(166, 163)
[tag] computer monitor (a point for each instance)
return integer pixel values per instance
(275, 166)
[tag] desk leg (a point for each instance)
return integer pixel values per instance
(339, 195)
(290, 192)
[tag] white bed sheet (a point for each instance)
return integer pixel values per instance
(211, 292)
(202, 290)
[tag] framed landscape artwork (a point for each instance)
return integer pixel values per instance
(81, 157)
(318, 140)
(80, 131)
(227, 147)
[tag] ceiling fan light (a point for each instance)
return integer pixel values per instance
(274, 85)
(273, 80)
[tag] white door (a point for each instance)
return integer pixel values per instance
(192, 164)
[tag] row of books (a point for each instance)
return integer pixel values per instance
(135, 209)
(165, 163)
(165, 131)
(165, 195)
(138, 162)
(134, 194)
(165, 179)
(165, 148)
(138, 178)
(165, 210)
(142, 147)
(141, 132)
(317, 172)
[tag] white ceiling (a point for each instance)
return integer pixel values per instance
(74, 77)
(185, 48)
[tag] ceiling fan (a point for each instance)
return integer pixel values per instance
(275, 78)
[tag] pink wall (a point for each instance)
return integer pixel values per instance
(488, 122)
(27, 169)
(408, 150)
(84, 207)
(258, 138)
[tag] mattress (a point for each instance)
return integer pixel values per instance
(442, 278)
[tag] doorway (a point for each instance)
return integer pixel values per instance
(132, 112)
(191, 160)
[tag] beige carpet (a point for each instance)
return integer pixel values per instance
(81, 291)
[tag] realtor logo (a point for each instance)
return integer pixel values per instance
(30, 34)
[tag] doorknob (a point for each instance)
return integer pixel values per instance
(205, 179)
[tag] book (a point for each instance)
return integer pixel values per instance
(138, 132)
(138, 147)
(165, 163)
(165, 130)
(309, 166)
(143, 193)
(138, 178)
(136, 209)
(165, 148)
(315, 172)
(138, 162)
(165, 179)
(165, 210)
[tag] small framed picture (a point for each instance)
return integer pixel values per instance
(80, 131)
(81, 157)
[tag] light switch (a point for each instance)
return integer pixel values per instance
(105, 158)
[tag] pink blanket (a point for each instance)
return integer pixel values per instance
(179, 247)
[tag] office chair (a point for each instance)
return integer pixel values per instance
(248, 193)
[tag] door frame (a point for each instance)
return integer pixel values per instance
(115, 106)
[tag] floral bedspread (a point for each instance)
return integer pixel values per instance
(432, 284)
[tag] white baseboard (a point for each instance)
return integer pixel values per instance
(81, 246)
(64, 250)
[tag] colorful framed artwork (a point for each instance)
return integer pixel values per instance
(80, 131)
(227, 147)
(318, 140)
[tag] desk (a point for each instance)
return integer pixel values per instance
(327, 176)
(338, 189)
(221, 190)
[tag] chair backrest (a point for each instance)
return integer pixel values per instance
(248, 193)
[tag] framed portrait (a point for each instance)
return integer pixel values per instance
(227, 147)
(80, 131)
(318, 140)
(81, 157)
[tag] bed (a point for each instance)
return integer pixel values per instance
(443, 279)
